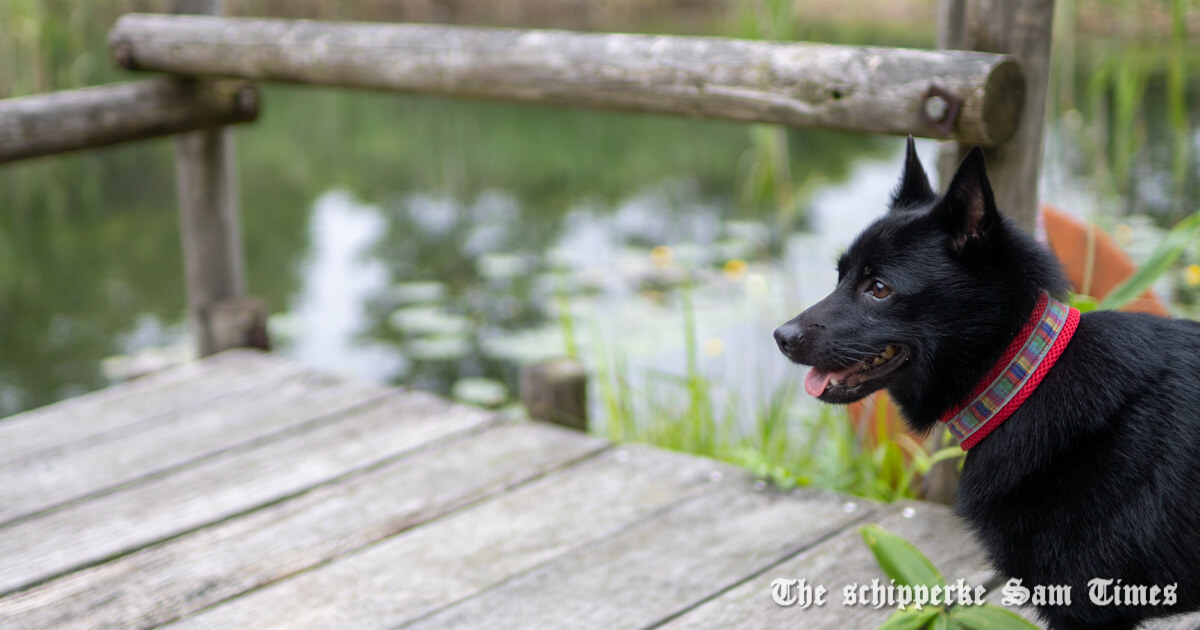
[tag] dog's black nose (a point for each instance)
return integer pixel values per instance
(788, 338)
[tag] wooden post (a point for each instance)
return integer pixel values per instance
(239, 322)
(208, 217)
(1021, 28)
(556, 391)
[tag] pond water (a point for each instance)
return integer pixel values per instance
(434, 243)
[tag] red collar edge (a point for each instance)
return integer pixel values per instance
(992, 416)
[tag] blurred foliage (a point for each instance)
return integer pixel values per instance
(89, 243)
(57, 44)
(1129, 101)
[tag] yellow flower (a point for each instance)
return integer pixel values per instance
(714, 347)
(1123, 235)
(735, 269)
(1192, 275)
(662, 256)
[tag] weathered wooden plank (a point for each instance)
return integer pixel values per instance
(845, 559)
(882, 90)
(471, 550)
(659, 567)
(161, 583)
(238, 480)
(842, 560)
(173, 440)
(86, 417)
(44, 124)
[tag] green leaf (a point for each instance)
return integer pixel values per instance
(1183, 234)
(945, 622)
(950, 452)
(989, 617)
(1084, 303)
(899, 559)
(911, 619)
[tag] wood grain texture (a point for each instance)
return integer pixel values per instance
(235, 481)
(71, 120)
(863, 89)
(174, 440)
(659, 567)
(464, 553)
(161, 583)
(842, 560)
(85, 418)
(209, 226)
(1021, 28)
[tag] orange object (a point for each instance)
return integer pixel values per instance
(1068, 239)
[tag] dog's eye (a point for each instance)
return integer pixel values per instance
(880, 290)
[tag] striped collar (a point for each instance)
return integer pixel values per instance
(1020, 369)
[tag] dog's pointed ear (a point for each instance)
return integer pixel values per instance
(914, 189)
(968, 209)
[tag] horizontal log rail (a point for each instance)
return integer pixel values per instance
(45, 124)
(966, 96)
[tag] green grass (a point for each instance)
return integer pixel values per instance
(779, 442)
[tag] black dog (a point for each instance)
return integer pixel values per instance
(1084, 432)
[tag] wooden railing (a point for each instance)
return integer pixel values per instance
(59, 122)
(853, 88)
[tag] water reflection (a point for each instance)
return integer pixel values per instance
(324, 324)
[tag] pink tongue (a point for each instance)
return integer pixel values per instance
(818, 379)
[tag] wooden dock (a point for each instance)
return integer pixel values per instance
(245, 491)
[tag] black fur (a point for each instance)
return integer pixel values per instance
(1097, 473)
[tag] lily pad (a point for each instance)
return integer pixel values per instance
(418, 292)
(429, 320)
(483, 392)
(524, 346)
(438, 348)
(503, 266)
(730, 249)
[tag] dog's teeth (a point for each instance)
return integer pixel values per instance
(889, 352)
(834, 381)
(878, 360)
